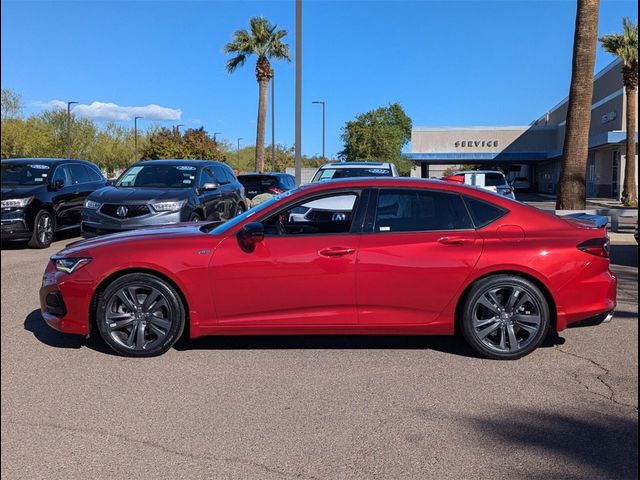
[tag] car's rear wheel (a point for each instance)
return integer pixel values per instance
(43, 228)
(505, 317)
(240, 209)
(195, 217)
(140, 315)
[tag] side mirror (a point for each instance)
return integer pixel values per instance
(251, 234)
(209, 186)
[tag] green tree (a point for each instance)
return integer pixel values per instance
(193, 144)
(10, 104)
(378, 135)
(625, 47)
(572, 188)
(263, 40)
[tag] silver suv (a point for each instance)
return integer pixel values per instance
(334, 171)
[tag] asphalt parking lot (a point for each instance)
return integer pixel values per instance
(316, 407)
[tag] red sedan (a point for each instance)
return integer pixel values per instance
(360, 256)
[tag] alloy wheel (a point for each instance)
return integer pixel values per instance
(507, 318)
(138, 317)
(44, 229)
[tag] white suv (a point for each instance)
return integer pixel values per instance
(491, 180)
(333, 171)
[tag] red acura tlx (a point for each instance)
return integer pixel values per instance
(360, 256)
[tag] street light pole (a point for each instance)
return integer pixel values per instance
(273, 120)
(215, 141)
(238, 154)
(298, 102)
(178, 126)
(135, 137)
(323, 103)
(69, 128)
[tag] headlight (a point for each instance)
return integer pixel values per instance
(69, 265)
(168, 206)
(16, 202)
(91, 205)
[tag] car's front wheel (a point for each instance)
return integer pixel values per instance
(43, 228)
(505, 317)
(140, 315)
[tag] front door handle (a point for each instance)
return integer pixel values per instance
(336, 251)
(454, 241)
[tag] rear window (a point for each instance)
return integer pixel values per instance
(335, 173)
(483, 213)
(256, 181)
(494, 180)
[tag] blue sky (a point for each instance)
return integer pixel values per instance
(449, 63)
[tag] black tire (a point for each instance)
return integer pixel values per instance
(149, 314)
(505, 317)
(240, 209)
(195, 217)
(43, 229)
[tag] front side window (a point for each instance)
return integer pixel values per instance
(63, 173)
(79, 174)
(324, 215)
(158, 176)
(420, 211)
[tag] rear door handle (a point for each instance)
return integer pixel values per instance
(336, 251)
(454, 241)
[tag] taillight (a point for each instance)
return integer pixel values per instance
(596, 246)
(275, 190)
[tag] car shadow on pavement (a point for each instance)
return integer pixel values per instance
(585, 443)
(454, 345)
(73, 233)
(35, 324)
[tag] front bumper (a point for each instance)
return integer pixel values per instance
(15, 229)
(95, 223)
(64, 302)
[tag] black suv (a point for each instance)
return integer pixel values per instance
(274, 183)
(41, 196)
(162, 192)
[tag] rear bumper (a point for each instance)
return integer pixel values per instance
(588, 301)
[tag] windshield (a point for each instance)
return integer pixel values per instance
(334, 173)
(24, 174)
(158, 176)
(251, 212)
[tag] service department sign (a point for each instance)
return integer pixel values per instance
(476, 144)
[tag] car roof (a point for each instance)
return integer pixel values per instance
(266, 174)
(356, 165)
(45, 161)
(462, 172)
(179, 161)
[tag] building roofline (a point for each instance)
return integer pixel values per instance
(472, 128)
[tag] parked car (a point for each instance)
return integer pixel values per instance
(413, 257)
(491, 180)
(334, 171)
(42, 196)
(272, 183)
(163, 192)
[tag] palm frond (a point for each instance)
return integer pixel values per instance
(236, 62)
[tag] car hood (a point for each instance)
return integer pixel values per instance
(138, 195)
(167, 233)
(17, 191)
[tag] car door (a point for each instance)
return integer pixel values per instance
(83, 186)
(226, 191)
(301, 275)
(64, 197)
(210, 199)
(418, 248)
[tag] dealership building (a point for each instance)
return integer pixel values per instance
(532, 154)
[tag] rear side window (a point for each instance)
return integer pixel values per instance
(94, 175)
(420, 211)
(483, 213)
(220, 174)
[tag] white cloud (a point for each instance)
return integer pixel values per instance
(112, 112)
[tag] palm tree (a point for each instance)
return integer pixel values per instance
(265, 42)
(572, 188)
(625, 47)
